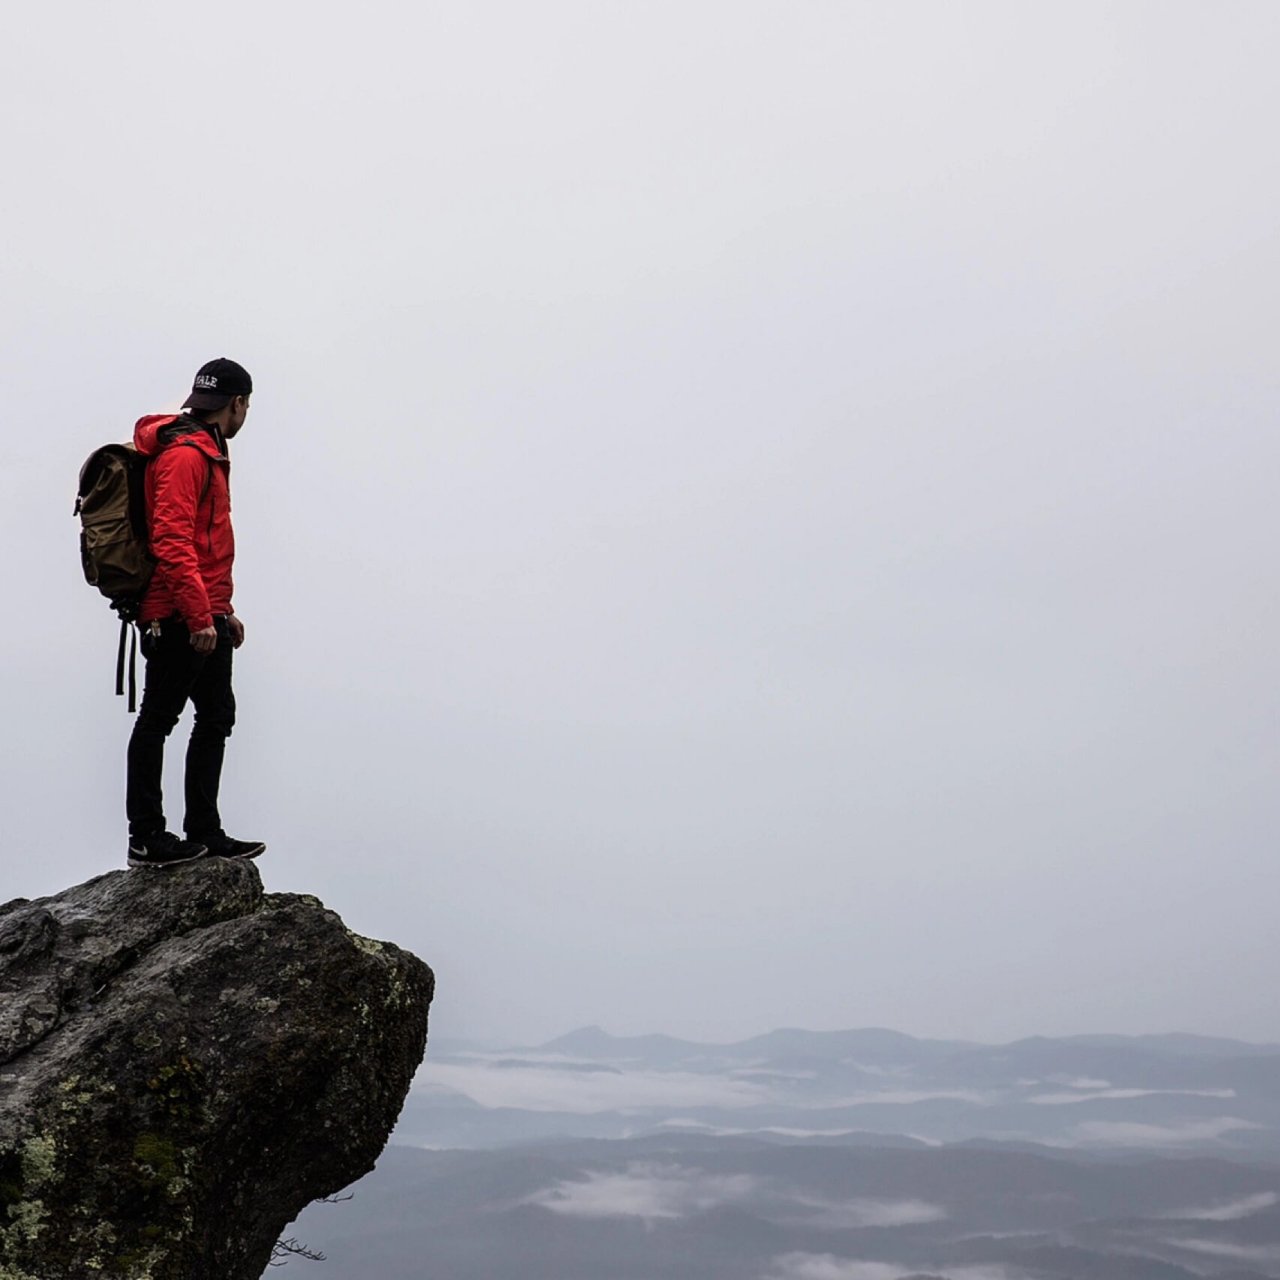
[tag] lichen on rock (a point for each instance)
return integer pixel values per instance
(185, 1063)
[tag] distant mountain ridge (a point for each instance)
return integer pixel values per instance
(594, 1039)
(876, 1042)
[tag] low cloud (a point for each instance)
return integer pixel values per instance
(649, 1191)
(826, 1266)
(1067, 1099)
(1124, 1133)
(908, 1097)
(654, 1191)
(550, 1087)
(781, 1131)
(844, 1215)
(1263, 1253)
(772, 1076)
(1229, 1210)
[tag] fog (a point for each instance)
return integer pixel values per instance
(751, 514)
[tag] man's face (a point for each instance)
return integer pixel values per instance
(239, 411)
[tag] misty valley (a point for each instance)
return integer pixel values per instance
(861, 1155)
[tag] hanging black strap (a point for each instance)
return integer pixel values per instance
(124, 626)
(133, 665)
(133, 670)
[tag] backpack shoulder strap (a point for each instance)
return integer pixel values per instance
(208, 475)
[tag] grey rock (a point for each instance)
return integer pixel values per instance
(185, 1063)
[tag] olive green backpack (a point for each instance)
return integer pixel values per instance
(114, 553)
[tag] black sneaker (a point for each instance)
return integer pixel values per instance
(221, 846)
(163, 850)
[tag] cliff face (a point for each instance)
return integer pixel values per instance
(185, 1063)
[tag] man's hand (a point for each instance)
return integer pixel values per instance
(236, 627)
(205, 641)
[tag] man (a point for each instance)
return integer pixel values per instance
(189, 629)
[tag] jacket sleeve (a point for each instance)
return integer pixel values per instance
(180, 476)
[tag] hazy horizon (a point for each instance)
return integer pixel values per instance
(783, 1028)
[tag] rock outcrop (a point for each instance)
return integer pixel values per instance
(185, 1063)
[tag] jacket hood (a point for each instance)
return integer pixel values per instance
(151, 435)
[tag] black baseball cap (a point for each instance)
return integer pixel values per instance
(216, 383)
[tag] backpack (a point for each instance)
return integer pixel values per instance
(114, 552)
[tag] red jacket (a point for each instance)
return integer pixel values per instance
(189, 520)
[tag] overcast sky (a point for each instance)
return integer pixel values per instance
(752, 514)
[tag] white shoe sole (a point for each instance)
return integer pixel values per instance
(168, 862)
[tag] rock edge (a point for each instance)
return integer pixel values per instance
(185, 1063)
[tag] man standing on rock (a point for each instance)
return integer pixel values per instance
(188, 627)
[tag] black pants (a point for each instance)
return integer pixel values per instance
(176, 672)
